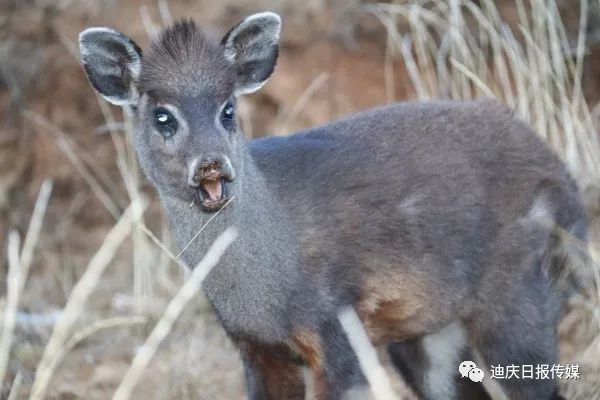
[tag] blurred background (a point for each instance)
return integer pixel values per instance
(77, 305)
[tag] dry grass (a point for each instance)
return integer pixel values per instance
(79, 295)
(455, 49)
(460, 50)
(172, 312)
(19, 263)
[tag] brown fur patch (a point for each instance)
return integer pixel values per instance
(308, 345)
(396, 307)
(283, 379)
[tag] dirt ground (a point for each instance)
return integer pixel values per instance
(331, 64)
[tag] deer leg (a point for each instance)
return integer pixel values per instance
(271, 374)
(338, 374)
(516, 321)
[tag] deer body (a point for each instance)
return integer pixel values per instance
(424, 217)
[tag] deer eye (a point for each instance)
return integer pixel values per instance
(228, 116)
(165, 122)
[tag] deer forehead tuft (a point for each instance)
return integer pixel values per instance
(184, 59)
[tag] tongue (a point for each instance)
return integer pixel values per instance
(214, 189)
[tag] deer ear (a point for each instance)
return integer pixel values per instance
(252, 47)
(112, 62)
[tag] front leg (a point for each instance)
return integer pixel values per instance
(336, 371)
(271, 374)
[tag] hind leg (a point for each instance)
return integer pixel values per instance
(516, 345)
(514, 322)
(430, 365)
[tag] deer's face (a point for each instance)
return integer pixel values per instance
(183, 92)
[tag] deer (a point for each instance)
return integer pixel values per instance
(443, 224)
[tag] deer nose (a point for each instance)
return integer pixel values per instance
(211, 167)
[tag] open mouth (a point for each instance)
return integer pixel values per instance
(212, 194)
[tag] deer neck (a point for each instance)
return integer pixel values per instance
(262, 260)
(252, 209)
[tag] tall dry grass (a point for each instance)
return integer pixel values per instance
(460, 50)
(455, 49)
(74, 307)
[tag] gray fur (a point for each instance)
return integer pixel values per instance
(420, 215)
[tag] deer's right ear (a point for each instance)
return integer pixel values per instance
(112, 62)
(252, 47)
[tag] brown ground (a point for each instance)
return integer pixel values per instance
(327, 46)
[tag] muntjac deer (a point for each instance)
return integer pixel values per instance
(438, 222)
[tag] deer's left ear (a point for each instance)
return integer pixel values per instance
(252, 47)
(112, 62)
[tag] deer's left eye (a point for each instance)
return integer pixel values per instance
(228, 116)
(165, 122)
